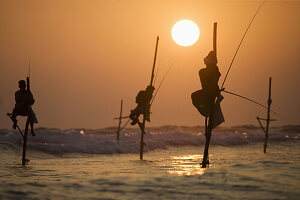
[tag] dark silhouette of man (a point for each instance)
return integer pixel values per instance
(205, 99)
(143, 100)
(24, 101)
(209, 78)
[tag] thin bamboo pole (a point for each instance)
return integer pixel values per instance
(120, 121)
(268, 116)
(208, 128)
(24, 160)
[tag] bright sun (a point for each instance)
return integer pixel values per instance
(185, 33)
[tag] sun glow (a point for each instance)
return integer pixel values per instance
(186, 165)
(185, 33)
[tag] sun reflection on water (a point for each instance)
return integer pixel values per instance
(186, 165)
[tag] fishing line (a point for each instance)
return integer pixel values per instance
(153, 96)
(241, 44)
(161, 82)
(252, 102)
(125, 124)
(155, 76)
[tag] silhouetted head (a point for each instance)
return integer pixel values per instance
(150, 89)
(22, 84)
(211, 59)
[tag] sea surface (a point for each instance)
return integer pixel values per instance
(91, 164)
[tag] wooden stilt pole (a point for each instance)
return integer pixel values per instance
(207, 140)
(24, 160)
(268, 120)
(215, 38)
(268, 117)
(143, 124)
(120, 121)
(142, 127)
(208, 128)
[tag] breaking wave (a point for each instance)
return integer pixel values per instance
(103, 141)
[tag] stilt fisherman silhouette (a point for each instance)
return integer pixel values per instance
(207, 101)
(24, 100)
(143, 100)
(209, 78)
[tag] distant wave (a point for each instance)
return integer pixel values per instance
(102, 141)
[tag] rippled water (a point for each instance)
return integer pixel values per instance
(236, 172)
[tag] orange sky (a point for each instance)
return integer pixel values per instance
(87, 55)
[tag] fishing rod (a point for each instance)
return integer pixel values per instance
(142, 125)
(241, 44)
(154, 62)
(151, 100)
(155, 76)
(151, 84)
(159, 86)
(248, 99)
(161, 83)
(28, 77)
(222, 88)
(29, 89)
(29, 67)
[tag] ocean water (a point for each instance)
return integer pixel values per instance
(91, 164)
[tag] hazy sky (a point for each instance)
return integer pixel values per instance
(87, 55)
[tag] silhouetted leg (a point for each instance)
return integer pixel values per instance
(30, 117)
(208, 131)
(24, 160)
(205, 125)
(142, 127)
(134, 115)
(14, 118)
(207, 141)
(206, 145)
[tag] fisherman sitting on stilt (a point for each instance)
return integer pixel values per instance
(205, 100)
(143, 100)
(24, 101)
(209, 78)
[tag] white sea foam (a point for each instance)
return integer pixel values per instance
(103, 141)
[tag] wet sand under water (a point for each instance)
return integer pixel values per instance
(236, 172)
